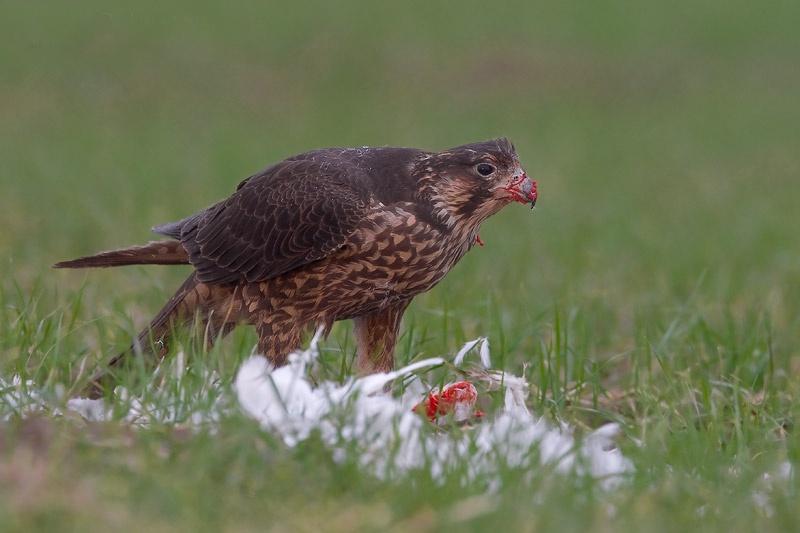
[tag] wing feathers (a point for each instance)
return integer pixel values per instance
(294, 213)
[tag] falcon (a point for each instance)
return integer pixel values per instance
(327, 235)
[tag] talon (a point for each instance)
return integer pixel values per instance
(479, 241)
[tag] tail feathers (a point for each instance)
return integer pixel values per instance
(153, 253)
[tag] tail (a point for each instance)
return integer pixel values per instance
(153, 253)
(178, 310)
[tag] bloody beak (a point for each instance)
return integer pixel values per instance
(523, 190)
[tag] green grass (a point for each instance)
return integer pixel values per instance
(656, 284)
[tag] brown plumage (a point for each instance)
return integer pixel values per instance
(324, 236)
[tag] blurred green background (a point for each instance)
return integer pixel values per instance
(665, 137)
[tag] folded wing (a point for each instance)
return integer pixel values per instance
(294, 213)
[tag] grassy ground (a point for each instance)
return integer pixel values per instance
(657, 284)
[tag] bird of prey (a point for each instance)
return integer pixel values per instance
(327, 235)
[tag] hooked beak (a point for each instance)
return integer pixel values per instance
(523, 190)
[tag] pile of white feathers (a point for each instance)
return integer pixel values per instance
(359, 420)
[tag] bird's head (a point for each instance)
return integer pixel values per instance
(469, 183)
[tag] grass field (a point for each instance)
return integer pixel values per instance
(657, 283)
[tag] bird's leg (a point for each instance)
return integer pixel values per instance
(376, 335)
(278, 336)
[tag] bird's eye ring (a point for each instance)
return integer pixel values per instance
(484, 169)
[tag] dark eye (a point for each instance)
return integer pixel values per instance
(485, 169)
